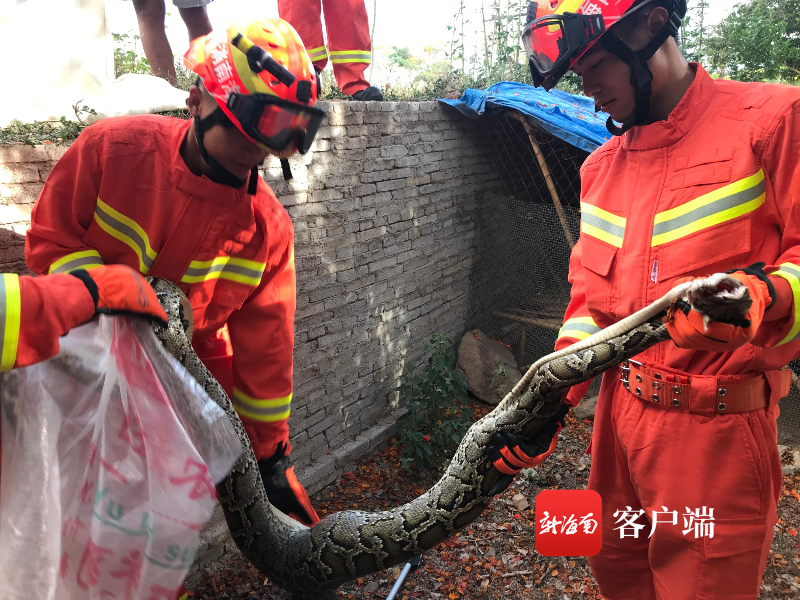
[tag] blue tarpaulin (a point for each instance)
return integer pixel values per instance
(566, 116)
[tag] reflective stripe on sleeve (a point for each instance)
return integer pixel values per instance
(240, 270)
(128, 232)
(579, 328)
(84, 259)
(10, 306)
(791, 273)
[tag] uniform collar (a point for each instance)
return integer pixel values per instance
(198, 185)
(683, 118)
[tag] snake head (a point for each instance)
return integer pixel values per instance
(719, 297)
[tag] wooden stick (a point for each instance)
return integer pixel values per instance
(548, 323)
(515, 573)
(548, 178)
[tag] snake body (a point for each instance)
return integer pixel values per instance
(312, 562)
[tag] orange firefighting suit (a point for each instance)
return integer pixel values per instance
(708, 190)
(122, 194)
(35, 312)
(349, 43)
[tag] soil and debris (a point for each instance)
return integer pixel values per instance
(495, 557)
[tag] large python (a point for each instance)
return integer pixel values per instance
(313, 562)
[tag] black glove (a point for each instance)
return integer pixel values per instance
(510, 455)
(284, 490)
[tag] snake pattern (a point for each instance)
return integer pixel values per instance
(311, 562)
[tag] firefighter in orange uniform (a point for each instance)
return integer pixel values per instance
(183, 200)
(349, 43)
(700, 178)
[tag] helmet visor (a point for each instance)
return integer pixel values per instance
(544, 43)
(554, 42)
(275, 122)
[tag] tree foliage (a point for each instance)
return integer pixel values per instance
(758, 41)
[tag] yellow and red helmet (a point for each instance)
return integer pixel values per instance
(558, 32)
(261, 77)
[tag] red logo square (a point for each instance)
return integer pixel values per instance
(569, 523)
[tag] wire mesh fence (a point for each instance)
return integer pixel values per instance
(525, 239)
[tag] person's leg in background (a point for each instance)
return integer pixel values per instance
(347, 25)
(306, 17)
(195, 17)
(151, 15)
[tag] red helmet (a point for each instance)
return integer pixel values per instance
(263, 81)
(558, 33)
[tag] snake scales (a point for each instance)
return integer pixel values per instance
(312, 562)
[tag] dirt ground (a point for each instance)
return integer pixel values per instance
(496, 556)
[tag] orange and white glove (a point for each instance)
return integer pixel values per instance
(690, 328)
(118, 289)
(510, 455)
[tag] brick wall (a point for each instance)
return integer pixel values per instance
(23, 170)
(384, 213)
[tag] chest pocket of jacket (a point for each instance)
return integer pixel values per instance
(597, 259)
(711, 231)
(708, 251)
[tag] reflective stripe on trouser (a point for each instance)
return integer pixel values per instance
(351, 56)
(578, 327)
(318, 54)
(649, 458)
(347, 26)
(261, 409)
(791, 273)
(602, 224)
(83, 259)
(10, 306)
(726, 203)
(306, 17)
(128, 232)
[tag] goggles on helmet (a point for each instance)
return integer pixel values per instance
(554, 42)
(275, 122)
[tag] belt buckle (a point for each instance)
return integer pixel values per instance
(625, 367)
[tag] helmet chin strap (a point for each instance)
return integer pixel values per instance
(641, 76)
(220, 174)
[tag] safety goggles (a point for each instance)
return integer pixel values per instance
(275, 122)
(554, 42)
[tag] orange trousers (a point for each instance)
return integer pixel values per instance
(349, 43)
(658, 459)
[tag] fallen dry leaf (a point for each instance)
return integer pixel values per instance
(520, 502)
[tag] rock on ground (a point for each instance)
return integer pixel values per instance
(490, 367)
(585, 410)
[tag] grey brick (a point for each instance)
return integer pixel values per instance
(384, 186)
(394, 151)
(371, 234)
(379, 265)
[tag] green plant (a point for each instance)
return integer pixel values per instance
(126, 59)
(437, 416)
(63, 131)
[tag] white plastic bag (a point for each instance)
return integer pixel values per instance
(110, 453)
